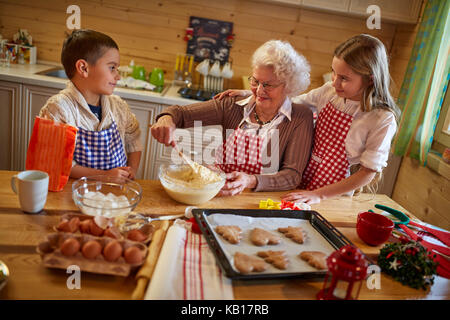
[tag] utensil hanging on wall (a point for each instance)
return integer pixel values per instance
(214, 75)
(203, 69)
(188, 73)
(181, 66)
(177, 64)
(227, 73)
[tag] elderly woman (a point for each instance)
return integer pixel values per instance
(267, 122)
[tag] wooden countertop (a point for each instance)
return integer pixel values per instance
(20, 233)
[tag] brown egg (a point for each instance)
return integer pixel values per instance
(73, 224)
(133, 255)
(70, 247)
(64, 226)
(136, 235)
(112, 232)
(112, 251)
(94, 229)
(85, 226)
(91, 249)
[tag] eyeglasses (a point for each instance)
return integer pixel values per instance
(266, 86)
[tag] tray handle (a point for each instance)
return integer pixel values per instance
(326, 229)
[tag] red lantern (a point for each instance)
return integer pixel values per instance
(346, 267)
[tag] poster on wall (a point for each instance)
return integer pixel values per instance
(210, 39)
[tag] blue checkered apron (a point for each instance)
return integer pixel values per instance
(100, 149)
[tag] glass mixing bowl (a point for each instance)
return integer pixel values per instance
(184, 192)
(106, 196)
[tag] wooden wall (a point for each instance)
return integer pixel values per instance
(424, 193)
(151, 31)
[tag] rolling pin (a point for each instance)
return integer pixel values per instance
(145, 273)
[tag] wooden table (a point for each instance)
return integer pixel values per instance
(20, 233)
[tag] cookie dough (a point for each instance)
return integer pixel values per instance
(196, 179)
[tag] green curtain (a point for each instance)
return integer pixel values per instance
(425, 83)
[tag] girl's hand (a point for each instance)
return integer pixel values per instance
(309, 197)
(163, 131)
(236, 183)
(232, 93)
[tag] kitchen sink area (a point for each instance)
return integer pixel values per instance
(54, 72)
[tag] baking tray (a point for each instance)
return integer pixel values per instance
(332, 236)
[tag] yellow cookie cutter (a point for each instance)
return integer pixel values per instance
(269, 204)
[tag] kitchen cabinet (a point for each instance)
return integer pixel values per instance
(20, 104)
(399, 10)
(145, 113)
(10, 102)
(406, 11)
(33, 99)
(333, 5)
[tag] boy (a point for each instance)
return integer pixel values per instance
(108, 137)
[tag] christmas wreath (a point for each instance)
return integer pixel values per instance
(408, 262)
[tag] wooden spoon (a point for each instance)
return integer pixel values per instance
(191, 163)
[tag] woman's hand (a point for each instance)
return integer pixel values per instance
(237, 182)
(232, 93)
(163, 131)
(309, 197)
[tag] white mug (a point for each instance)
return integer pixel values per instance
(32, 188)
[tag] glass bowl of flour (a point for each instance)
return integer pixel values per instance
(106, 196)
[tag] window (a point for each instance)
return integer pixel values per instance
(441, 140)
(442, 131)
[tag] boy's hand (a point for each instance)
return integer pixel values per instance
(163, 130)
(132, 173)
(119, 172)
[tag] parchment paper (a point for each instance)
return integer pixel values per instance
(313, 240)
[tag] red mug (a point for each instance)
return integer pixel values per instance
(373, 228)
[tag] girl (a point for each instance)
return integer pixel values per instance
(356, 122)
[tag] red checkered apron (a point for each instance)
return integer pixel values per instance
(328, 163)
(240, 152)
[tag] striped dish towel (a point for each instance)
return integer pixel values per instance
(187, 269)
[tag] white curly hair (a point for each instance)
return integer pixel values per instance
(288, 65)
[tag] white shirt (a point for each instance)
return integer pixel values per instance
(368, 141)
(249, 104)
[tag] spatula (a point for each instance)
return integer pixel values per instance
(191, 163)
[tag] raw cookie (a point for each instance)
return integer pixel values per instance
(261, 237)
(246, 264)
(230, 233)
(277, 258)
(316, 259)
(295, 233)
